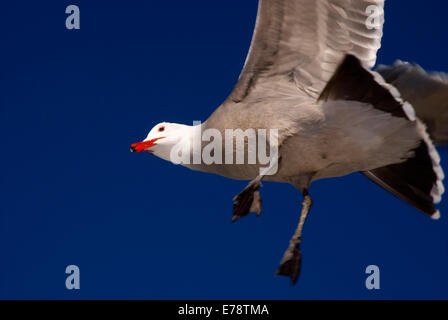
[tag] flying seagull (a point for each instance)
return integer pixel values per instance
(308, 75)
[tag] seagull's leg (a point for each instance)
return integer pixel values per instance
(291, 261)
(248, 200)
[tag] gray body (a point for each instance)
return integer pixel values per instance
(315, 140)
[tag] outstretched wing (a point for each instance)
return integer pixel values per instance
(419, 180)
(306, 40)
(427, 92)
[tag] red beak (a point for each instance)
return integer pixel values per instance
(141, 146)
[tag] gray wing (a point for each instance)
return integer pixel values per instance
(306, 40)
(427, 92)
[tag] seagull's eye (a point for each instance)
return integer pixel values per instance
(161, 129)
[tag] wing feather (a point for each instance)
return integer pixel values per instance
(427, 92)
(306, 40)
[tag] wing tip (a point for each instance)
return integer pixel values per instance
(438, 188)
(436, 215)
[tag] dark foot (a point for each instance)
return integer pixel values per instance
(290, 264)
(291, 261)
(247, 201)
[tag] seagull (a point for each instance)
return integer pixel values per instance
(308, 75)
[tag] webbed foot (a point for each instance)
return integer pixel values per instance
(247, 201)
(290, 264)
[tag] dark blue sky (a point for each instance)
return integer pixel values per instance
(71, 103)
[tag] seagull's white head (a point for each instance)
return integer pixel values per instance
(162, 138)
